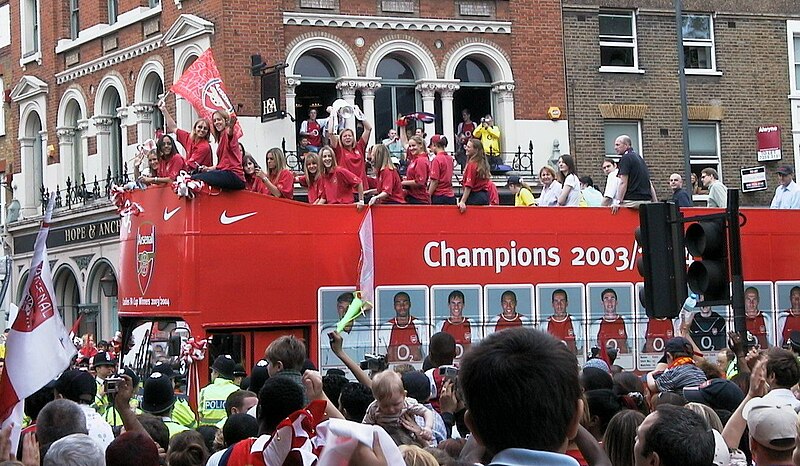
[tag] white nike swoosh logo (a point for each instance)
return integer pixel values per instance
(225, 220)
(168, 214)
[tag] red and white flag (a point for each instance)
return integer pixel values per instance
(366, 275)
(38, 348)
(201, 84)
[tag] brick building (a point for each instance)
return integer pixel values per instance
(622, 77)
(86, 75)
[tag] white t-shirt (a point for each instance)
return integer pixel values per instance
(574, 196)
(612, 183)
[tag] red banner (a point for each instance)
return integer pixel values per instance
(201, 84)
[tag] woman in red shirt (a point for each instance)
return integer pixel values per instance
(228, 173)
(279, 180)
(389, 187)
(196, 143)
(441, 185)
(338, 183)
(170, 162)
(477, 177)
(350, 153)
(312, 179)
(252, 180)
(417, 172)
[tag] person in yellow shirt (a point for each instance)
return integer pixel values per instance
(489, 134)
(211, 406)
(523, 197)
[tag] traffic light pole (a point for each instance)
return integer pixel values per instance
(737, 277)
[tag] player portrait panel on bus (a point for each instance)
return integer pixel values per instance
(787, 296)
(457, 310)
(507, 306)
(708, 328)
(758, 312)
(651, 334)
(357, 337)
(611, 319)
(561, 310)
(402, 322)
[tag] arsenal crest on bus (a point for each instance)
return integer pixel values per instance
(145, 254)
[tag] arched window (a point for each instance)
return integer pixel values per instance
(475, 92)
(318, 88)
(153, 88)
(397, 94)
(111, 102)
(313, 66)
(72, 115)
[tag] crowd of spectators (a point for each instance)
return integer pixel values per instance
(519, 397)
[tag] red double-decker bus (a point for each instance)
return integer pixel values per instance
(242, 268)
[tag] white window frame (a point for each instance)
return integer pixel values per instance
(113, 11)
(31, 40)
(74, 19)
(709, 43)
(704, 161)
(794, 64)
(622, 41)
(5, 25)
(2, 110)
(638, 124)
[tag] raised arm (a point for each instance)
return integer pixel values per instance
(367, 131)
(169, 122)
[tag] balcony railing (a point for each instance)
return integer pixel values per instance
(75, 194)
(79, 194)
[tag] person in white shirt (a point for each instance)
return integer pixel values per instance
(786, 194)
(612, 181)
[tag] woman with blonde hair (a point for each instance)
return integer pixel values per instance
(477, 176)
(350, 152)
(417, 172)
(417, 456)
(389, 188)
(338, 183)
(196, 143)
(278, 179)
(228, 173)
(551, 188)
(312, 178)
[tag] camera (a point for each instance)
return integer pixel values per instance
(448, 372)
(374, 362)
(111, 385)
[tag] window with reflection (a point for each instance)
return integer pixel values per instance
(397, 94)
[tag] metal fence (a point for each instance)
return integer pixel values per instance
(78, 194)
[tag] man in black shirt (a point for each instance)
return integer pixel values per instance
(634, 178)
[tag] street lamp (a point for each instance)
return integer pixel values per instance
(109, 284)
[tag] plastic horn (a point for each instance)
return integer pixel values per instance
(353, 311)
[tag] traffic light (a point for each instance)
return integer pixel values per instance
(709, 274)
(663, 260)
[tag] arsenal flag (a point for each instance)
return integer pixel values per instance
(202, 86)
(38, 348)
(366, 275)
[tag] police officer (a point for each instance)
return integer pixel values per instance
(158, 399)
(212, 397)
(103, 366)
(181, 412)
